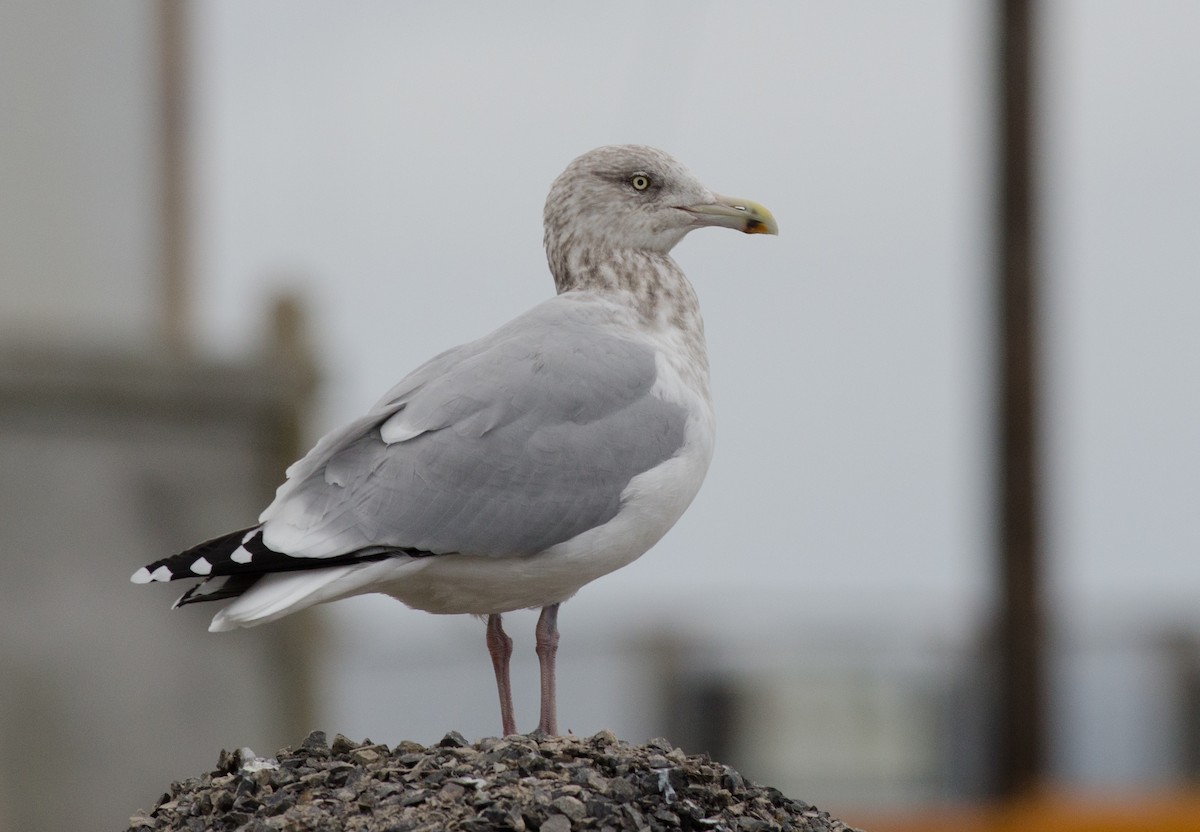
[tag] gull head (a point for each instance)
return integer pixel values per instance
(633, 197)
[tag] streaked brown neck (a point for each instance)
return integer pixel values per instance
(650, 283)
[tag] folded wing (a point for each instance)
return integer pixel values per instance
(505, 446)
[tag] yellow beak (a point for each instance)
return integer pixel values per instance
(731, 212)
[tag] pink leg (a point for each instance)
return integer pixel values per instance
(500, 647)
(547, 647)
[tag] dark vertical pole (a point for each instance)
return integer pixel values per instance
(1020, 743)
(172, 65)
(297, 638)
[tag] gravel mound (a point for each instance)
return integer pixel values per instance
(517, 784)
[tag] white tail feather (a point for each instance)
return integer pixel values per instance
(283, 593)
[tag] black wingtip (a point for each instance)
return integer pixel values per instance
(242, 558)
(232, 587)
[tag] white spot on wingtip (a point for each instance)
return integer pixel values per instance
(201, 566)
(142, 576)
(241, 555)
(162, 573)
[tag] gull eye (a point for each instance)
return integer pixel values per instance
(640, 181)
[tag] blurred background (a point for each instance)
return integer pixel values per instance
(227, 227)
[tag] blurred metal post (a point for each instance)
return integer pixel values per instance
(299, 637)
(1020, 752)
(172, 70)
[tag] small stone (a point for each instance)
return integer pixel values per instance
(556, 823)
(203, 804)
(365, 756)
(279, 803)
(342, 744)
(315, 744)
(464, 754)
(338, 774)
(733, 781)
(414, 798)
(746, 824)
(603, 739)
(599, 809)
(572, 807)
(639, 820)
(721, 797)
(595, 781)
(452, 792)
(228, 761)
(666, 816)
(453, 740)
(621, 790)
(247, 804)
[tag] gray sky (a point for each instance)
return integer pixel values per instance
(390, 161)
(1122, 196)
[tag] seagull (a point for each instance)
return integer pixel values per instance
(507, 473)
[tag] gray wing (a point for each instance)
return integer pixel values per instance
(505, 446)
